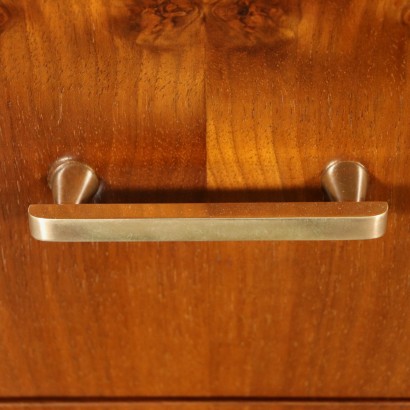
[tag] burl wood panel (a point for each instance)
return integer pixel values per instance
(189, 100)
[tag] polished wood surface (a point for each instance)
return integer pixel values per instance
(206, 406)
(221, 100)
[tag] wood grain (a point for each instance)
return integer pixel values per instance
(190, 101)
(206, 406)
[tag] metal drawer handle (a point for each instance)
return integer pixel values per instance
(70, 220)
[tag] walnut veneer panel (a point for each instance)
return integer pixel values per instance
(247, 100)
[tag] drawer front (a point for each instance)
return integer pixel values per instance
(198, 101)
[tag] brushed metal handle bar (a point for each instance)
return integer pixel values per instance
(347, 217)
